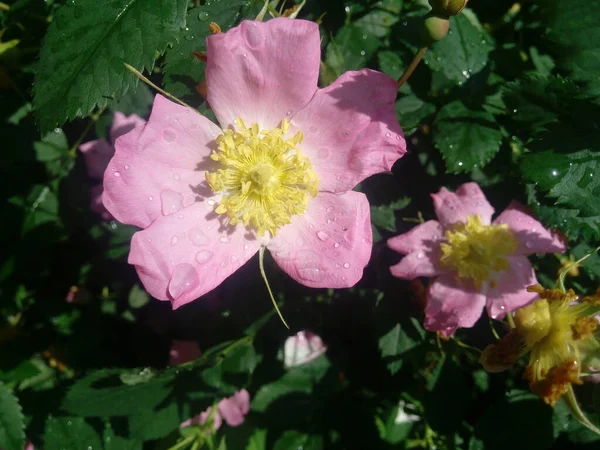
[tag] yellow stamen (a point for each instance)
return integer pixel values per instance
(264, 178)
(475, 250)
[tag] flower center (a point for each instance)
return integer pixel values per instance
(264, 178)
(475, 250)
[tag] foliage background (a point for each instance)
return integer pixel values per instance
(509, 99)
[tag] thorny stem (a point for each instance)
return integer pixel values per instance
(412, 66)
(138, 74)
(577, 412)
(261, 258)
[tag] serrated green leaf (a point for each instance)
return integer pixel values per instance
(70, 433)
(384, 216)
(81, 64)
(114, 442)
(574, 25)
(462, 53)
(182, 69)
(412, 111)
(466, 137)
(102, 394)
(12, 428)
(52, 146)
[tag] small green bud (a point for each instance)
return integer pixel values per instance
(435, 28)
(447, 7)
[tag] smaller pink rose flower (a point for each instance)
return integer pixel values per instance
(301, 348)
(233, 409)
(473, 261)
(98, 153)
(183, 351)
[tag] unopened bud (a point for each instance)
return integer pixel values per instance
(434, 28)
(447, 7)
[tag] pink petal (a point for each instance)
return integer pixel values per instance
(183, 351)
(123, 124)
(233, 409)
(302, 348)
(263, 72)
(510, 292)
(422, 249)
(350, 129)
(531, 234)
(330, 244)
(96, 154)
(159, 168)
(452, 304)
(468, 200)
(96, 204)
(203, 417)
(183, 256)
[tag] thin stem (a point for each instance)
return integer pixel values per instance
(94, 118)
(134, 71)
(577, 412)
(261, 258)
(511, 320)
(412, 66)
(561, 277)
(467, 346)
(494, 332)
(183, 443)
(263, 11)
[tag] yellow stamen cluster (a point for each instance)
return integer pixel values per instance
(264, 178)
(475, 250)
(555, 331)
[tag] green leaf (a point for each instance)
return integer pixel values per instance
(81, 64)
(384, 216)
(390, 63)
(70, 433)
(138, 297)
(571, 181)
(182, 70)
(394, 345)
(12, 428)
(377, 22)
(294, 439)
(462, 53)
(52, 146)
(574, 25)
(103, 394)
(350, 49)
(412, 112)
(114, 442)
(466, 137)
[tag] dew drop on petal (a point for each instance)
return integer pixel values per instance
(176, 176)
(198, 237)
(203, 256)
(346, 265)
(127, 167)
(336, 245)
(117, 174)
(314, 274)
(322, 235)
(183, 279)
(224, 239)
(174, 240)
(171, 201)
(529, 244)
(150, 198)
(420, 255)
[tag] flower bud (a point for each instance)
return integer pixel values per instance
(302, 348)
(435, 28)
(447, 7)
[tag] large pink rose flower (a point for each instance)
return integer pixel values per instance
(97, 154)
(475, 262)
(233, 409)
(277, 172)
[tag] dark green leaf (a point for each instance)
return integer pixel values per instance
(350, 49)
(394, 345)
(52, 146)
(384, 216)
(70, 433)
(377, 22)
(114, 442)
(294, 439)
(466, 137)
(12, 434)
(81, 64)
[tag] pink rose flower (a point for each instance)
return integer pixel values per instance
(232, 409)
(277, 173)
(98, 153)
(183, 351)
(474, 262)
(301, 348)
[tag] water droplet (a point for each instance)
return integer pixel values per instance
(174, 240)
(169, 135)
(245, 55)
(322, 235)
(203, 16)
(314, 274)
(245, 246)
(288, 113)
(460, 163)
(420, 255)
(529, 244)
(69, 423)
(150, 198)
(336, 245)
(234, 259)
(346, 265)
(388, 134)
(127, 167)
(117, 174)
(211, 202)
(344, 278)
(171, 201)
(363, 53)
(224, 239)
(223, 264)
(311, 226)
(198, 237)
(203, 256)
(176, 176)
(555, 172)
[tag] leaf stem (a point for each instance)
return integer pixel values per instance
(138, 74)
(183, 443)
(561, 277)
(577, 412)
(261, 258)
(412, 66)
